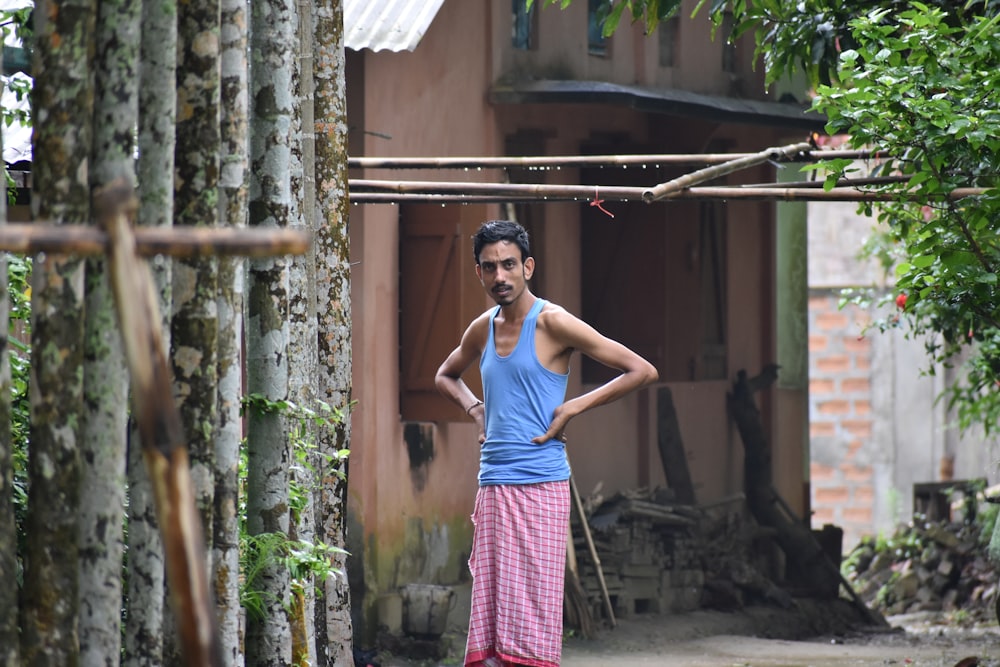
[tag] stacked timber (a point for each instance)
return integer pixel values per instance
(661, 556)
(649, 554)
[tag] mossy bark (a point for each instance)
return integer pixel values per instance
(194, 327)
(103, 444)
(63, 102)
(333, 283)
(144, 630)
(229, 426)
(273, 143)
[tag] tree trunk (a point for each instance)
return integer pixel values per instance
(272, 204)
(333, 307)
(103, 446)
(303, 346)
(8, 524)
(229, 430)
(194, 327)
(63, 90)
(144, 630)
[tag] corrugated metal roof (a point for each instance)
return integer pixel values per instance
(387, 24)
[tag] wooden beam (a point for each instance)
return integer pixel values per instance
(150, 241)
(555, 162)
(432, 192)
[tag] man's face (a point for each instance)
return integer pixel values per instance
(502, 273)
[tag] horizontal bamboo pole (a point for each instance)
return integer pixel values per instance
(549, 162)
(389, 192)
(538, 190)
(842, 183)
(150, 241)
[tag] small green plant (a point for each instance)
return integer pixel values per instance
(306, 562)
(19, 289)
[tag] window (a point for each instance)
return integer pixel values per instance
(728, 47)
(668, 33)
(522, 25)
(597, 45)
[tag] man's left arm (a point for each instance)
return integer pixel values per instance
(574, 333)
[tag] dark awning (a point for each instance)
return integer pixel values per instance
(670, 101)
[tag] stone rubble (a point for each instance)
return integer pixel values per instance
(926, 565)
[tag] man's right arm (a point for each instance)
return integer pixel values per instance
(448, 378)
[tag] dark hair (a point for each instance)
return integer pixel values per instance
(493, 231)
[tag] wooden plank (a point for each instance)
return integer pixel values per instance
(672, 454)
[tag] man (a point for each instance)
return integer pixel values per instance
(523, 346)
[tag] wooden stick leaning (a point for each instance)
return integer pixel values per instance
(709, 173)
(161, 429)
(578, 503)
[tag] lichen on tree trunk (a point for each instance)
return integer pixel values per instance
(333, 305)
(194, 327)
(144, 629)
(229, 429)
(274, 25)
(103, 443)
(63, 89)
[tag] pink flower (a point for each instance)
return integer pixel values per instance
(901, 301)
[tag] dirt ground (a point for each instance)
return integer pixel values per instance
(707, 639)
(768, 637)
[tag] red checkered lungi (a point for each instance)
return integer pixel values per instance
(518, 566)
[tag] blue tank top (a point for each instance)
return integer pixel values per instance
(520, 395)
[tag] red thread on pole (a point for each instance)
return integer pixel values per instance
(597, 202)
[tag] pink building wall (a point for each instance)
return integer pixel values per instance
(409, 522)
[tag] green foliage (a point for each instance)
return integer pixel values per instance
(809, 36)
(19, 289)
(16, 22)
(919, 86)
(306, 562)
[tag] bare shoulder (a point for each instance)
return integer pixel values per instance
(478, 330)
(559, 323)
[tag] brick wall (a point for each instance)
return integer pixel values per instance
(840, 416)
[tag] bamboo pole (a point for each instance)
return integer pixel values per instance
(549, 162)
(161, 430)
(664, 190)
(399, 192)
(842, 183)
(538, 190)
(150, 241)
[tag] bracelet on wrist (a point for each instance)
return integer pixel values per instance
(468, 410)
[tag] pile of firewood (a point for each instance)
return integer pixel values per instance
(648, 553)
(660, 556)
(927, 566)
